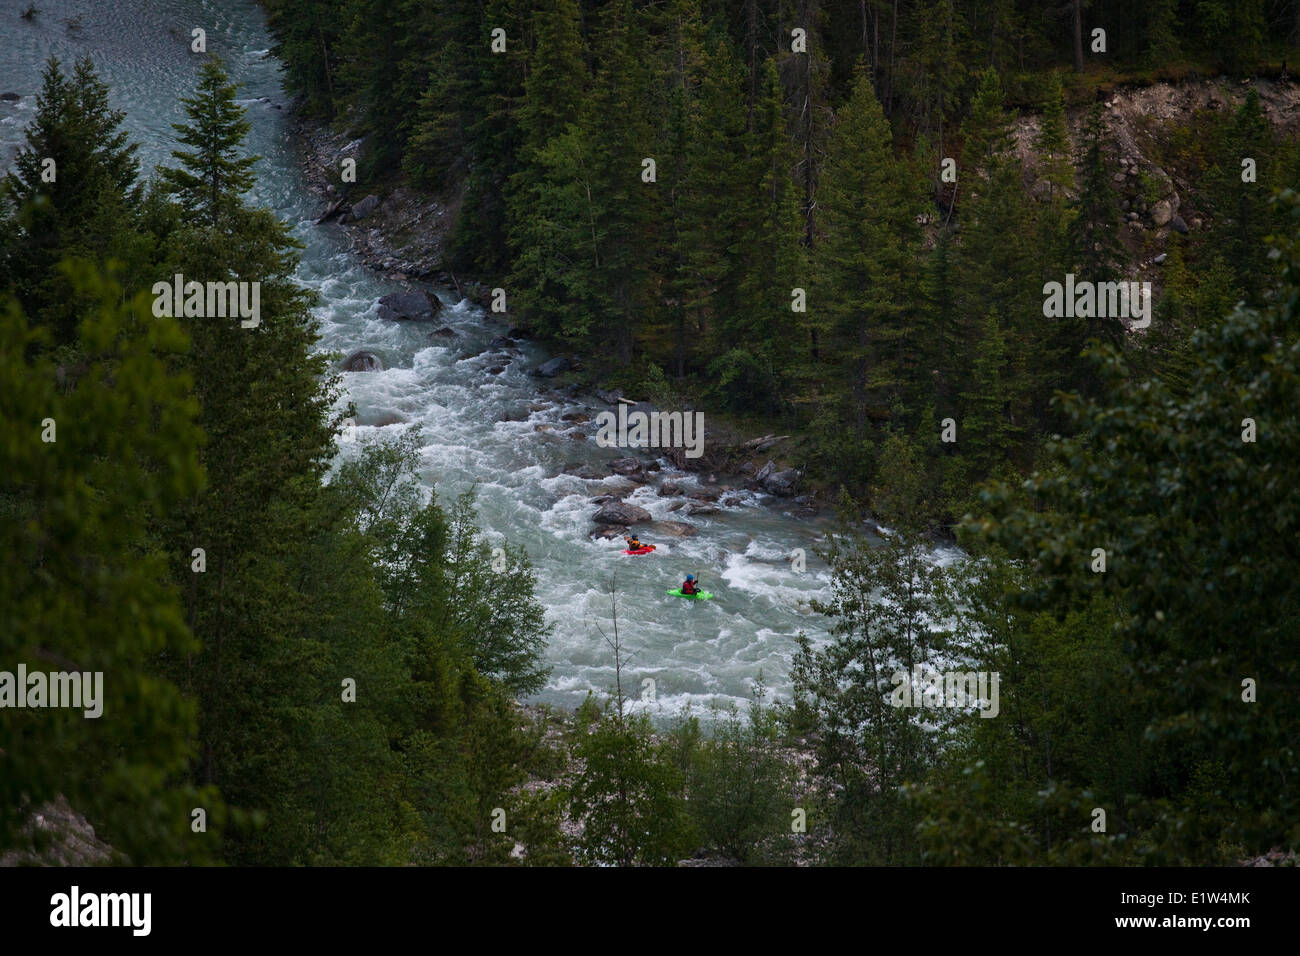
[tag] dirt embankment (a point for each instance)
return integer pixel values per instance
(1155, 201)
(394, 229)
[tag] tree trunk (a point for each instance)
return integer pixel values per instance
(893, 40)
(1077, 6)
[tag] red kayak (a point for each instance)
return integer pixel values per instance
(642, 550)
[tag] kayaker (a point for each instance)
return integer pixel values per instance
(633, 543)
(690, 585)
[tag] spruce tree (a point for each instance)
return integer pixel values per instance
(1241, 207)
(213, 174)
(999, 262)
(767, 338)
(864, 294)
(266, 405)
(72, 192)
(1171, 558)
(1053, 140)
(1095, 251)
(709, 230)
(94, 451)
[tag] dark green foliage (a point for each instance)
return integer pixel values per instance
(333, 661)
(85, 588)
(882, 610)
(1178, 502)
(213, 173)
(775, 170)
(1241, 205)
(741, 784)
(72, 192)
(629, 796)
(863, 303)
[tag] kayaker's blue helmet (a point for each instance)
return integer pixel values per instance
(690, 577)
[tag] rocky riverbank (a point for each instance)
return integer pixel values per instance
(401, 233)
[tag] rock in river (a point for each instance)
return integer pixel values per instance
(620, 512)
(417, 306)
(363, 361)
(553, 367)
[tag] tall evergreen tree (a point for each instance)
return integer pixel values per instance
(766, 339)
(213, 174)
(1096, 254)
(864, 294)
(1053, 140)
(93, 451)
(1242, 207)
(72, 192)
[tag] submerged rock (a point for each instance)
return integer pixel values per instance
(676, 529)
(363, 361)
(380, 419)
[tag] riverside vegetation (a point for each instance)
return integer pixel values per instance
(1156, 691)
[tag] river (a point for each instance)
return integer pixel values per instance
(697, 653)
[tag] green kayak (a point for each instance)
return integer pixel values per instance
(698, 596)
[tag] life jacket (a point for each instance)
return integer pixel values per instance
(688, 587)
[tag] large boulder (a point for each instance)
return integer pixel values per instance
(363, 361)
(412, 306)
(365, 207)
(620, 512)
(783, 483)
(553, 367)
(628, 467)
